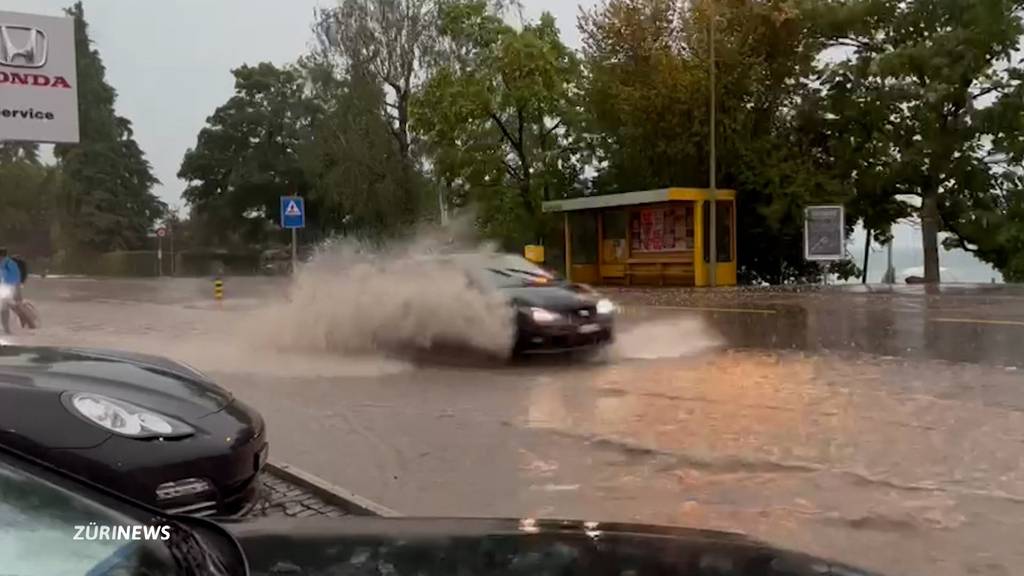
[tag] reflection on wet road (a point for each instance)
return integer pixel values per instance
(822, 453)
(980, 325)
(885, 430)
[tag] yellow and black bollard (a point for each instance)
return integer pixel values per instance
(218, 289)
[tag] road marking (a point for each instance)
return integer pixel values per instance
(980, 321)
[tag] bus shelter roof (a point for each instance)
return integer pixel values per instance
(635, 198)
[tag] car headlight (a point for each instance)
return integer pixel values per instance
(605, 306)
(544, 316)
(125, 418)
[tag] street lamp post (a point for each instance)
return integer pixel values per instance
(712, 217)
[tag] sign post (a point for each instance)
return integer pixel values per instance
(293, 216)
(824, 234)
(160, 233)
(38, 79)
(171, 238)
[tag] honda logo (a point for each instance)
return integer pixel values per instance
(22, 46)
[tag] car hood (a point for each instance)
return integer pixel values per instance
(152, 382)
(556, 297)
(427, 546)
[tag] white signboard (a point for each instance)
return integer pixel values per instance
(824, 233)
(38, 83)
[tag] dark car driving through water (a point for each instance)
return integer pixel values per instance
(551, 314)
(147, 427)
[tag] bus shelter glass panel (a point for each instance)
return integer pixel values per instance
(723, 230)
(583, 237)
(613, 232)
(554, 248)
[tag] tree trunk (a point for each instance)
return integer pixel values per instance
(524, 191)
(867, 253)
(930, 235)
(403, 124)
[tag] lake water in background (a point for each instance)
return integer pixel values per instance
(957, 265)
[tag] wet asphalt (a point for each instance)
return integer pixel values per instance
(879, 426)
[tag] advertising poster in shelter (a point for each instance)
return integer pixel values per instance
(661, 229)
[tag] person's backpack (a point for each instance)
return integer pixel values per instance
(22, 268)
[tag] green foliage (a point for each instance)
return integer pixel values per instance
(860, 102)
(248, 154)
(647, 94)
(920, 81)
(993, 228)
(27, 189)
(308, 129)
(360, 180)
(105, 201)
(500, 118)
(388, 46)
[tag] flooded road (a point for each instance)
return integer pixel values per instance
(884, 430)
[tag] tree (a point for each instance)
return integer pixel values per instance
(991, 225)
(106, 201)
(11, 152)
(937, 66)
(392, 43)
(247, 156)
(647, 92)
(861, 150)
(351, 159)
(28, 189)
(310, 129)
(499, 115)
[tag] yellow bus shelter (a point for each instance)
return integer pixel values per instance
(648, 237)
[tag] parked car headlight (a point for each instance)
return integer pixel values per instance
(125, 418)
(605, 306)
(544, 316)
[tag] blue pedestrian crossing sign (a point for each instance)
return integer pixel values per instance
(293, 212)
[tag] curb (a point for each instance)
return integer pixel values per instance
(331, 493)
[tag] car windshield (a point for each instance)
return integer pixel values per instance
(47, 529)
(754, 266)
(511, 272)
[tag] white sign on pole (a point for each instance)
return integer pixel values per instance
(824, 233)
(38, 80)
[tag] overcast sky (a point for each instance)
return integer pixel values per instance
(169, 60)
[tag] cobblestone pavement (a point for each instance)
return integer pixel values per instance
(279, 497)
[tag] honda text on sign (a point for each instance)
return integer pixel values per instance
(38, 82)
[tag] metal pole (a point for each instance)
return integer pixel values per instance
(295, 243)
(171, 232)
(568, 247)
(442, 207)
(712, 216)
(159, 256)
(890, 273)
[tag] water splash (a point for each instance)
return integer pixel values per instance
(354, 299)
(668, 338)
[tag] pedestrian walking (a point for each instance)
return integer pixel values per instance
(10, 288)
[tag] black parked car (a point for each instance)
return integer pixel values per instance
(552, 315)
(54, 523)
(147, 427)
